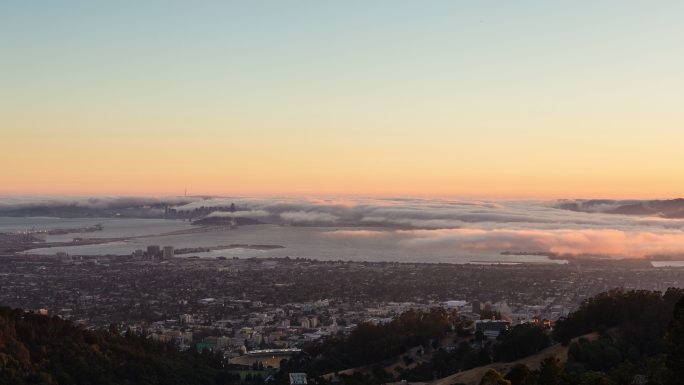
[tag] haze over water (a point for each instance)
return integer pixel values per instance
(376, 229)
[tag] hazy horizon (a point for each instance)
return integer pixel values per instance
(391, 228)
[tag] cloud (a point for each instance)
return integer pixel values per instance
(670, 208)
(405, 212)
(355, 233)
(575, 242)
(11, 203)
(241, 214)
(446, 226)
(309, 217)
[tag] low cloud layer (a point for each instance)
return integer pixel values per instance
(309, 217)
(620, 229)
(671, 208)
(446, 225)
(562, 242)
(254, 214)
(13, 203)
(602, 242)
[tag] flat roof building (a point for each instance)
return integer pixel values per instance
(491, 328)
(297, 378)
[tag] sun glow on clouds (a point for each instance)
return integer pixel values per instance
(442, 225)
(597, 242)
(561, 241)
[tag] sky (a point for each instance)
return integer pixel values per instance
(522, 99)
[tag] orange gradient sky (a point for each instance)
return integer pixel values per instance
(445, 98)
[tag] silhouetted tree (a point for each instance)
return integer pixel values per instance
(674, 342)
(492, 377)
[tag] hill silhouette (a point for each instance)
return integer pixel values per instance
(38, 349)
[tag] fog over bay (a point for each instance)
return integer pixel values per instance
(391, 229)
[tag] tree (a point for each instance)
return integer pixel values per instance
(550, 371)
(492, 377)
(595, 378)
(519, 374)
(674, 342)
(49, 350)
(521, 341)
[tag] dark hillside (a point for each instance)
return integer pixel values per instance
(48, 350)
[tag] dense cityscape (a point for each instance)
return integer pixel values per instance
(239, 305)
(279, 320)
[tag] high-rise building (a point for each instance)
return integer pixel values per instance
(168, 252)
(153, 251)
(487, 307)
(476, 307)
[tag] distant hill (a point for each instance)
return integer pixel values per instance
(74, 211)
(48, 350)
(670, 208)
(226, 221)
